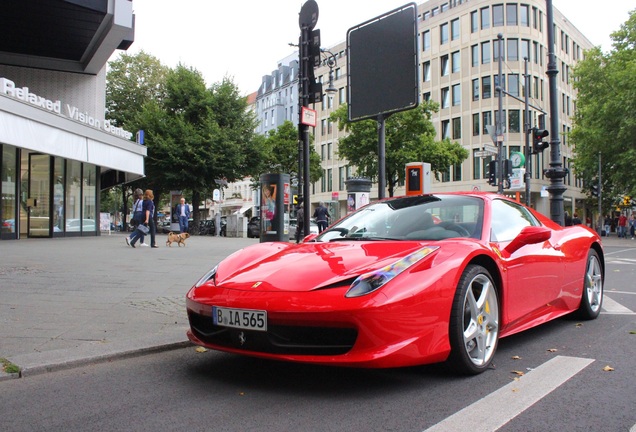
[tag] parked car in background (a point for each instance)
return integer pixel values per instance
(293, 225)
(254, 227)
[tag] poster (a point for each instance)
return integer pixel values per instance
(268, 207)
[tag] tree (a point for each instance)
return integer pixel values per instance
(282, 153)
(131, 82)
(196, 135)
(605, 117)
(409, 137)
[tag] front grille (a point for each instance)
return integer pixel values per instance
(278, 339)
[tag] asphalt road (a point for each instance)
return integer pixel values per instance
(565, 375)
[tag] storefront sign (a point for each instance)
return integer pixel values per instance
(8, 88)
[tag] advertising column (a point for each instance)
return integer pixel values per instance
(275, 199)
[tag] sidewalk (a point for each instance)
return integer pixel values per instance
(71, 301)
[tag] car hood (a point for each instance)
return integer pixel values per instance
(307, 266)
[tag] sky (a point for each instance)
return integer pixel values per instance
(244, 40)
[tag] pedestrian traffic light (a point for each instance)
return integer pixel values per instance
(538, 145)
(594, 189)
(492, 174)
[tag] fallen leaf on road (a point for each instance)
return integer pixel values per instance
(608, 368)
(520, 373)
(552, 350)
(200, 349)
(516, 358)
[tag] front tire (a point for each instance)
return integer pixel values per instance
(592, 297)
(474, 322)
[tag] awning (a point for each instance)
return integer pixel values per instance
(243, 209)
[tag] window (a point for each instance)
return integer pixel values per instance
(497, 15)
(513, 49)
(457, 172)
(455, 29)
(476, 129)
(485, 52)
(525, 49)
(476, 89)
(329, 180)
(426, 40)
(323, 127)
(514, 121)
(513, 84)
(445, 129)
(474, 55)
(329, 149)
(474, 25)
(323, 152)
(457, 95)
(524, 15)
(445, 102)
(342, 95)
(476, 165)
(443, 33)
(455, 62)
(485, 18)
(486, 121)
(457, 128)
(426, 96)
(426, 73)
(511, 14)
(535, 46)
(443, 67)
(496, 48)
(486, 88)
(508, 220)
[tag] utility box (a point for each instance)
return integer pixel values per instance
(418, 178)
(358, 192)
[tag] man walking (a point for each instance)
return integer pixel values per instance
(183, 212)
(321, 214)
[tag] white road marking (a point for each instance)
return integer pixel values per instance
(633, 429)
(613, 307)
(514, 398)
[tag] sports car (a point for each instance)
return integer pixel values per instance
(400, 282)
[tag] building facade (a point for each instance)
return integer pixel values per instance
(57, 148)
(458, 68)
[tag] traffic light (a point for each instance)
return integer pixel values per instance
(538, 145)
(314, 88)
(594, 189)
(492, 174)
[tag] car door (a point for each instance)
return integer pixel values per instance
(533, 274)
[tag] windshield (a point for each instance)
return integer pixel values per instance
(429, 217)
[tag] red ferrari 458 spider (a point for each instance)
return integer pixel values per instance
(400, 282)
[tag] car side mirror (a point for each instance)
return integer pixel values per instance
(528, 235)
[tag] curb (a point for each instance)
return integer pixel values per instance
(92, 353)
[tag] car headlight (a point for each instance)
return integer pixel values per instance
(206, 277)
(369, 282)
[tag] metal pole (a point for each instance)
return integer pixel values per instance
(303, 164)
(600, 193)
(499, 128)
(555, 173)
(528, 175)
(381, 156)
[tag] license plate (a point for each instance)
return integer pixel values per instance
(247, 319)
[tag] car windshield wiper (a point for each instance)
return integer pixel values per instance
(368, 238)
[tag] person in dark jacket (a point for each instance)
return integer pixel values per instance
(321, 215)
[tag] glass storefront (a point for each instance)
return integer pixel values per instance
(57, 197)
(8, 207)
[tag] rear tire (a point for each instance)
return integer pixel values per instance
(474, 322)
(592, 296)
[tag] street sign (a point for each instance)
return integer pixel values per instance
(490, 148)
(484, 153)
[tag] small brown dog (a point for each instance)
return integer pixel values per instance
(179, 238)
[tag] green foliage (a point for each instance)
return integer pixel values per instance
(409, 137)
(605, 119)
(132, 81)
(281, 149)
